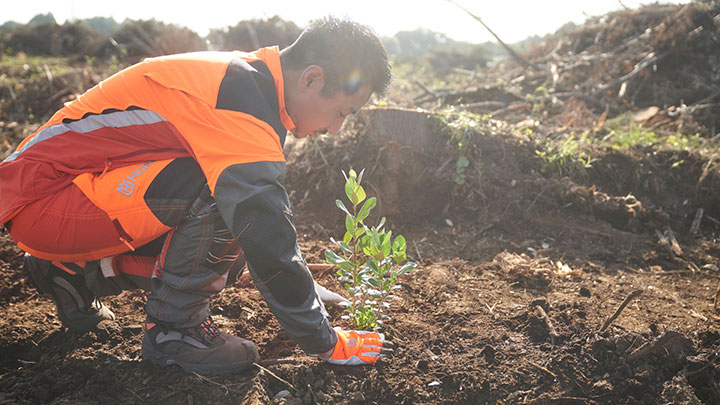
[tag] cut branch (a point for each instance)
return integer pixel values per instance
(515, 55)
(620, 309)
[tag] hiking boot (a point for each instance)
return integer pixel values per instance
(78, 308)
(202, 349)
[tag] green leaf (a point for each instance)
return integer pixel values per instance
(385, 244)
(343, 263)
(376, 238)
(371, 250)
(399, 244)
(359, 194)
(359, 178)
(406, 268)
(399, 257)
(332, 257)
(374, 282)
(366, 208)
(350, 225)
(349, 190)
(344, 246)
(346, 265)
(374, 266)
(347, 238)
(342, 206)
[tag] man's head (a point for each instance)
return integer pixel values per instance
(331, 71)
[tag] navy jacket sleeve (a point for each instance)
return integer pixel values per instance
(255, 205)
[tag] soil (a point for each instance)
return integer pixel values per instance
(518, 272)
(523, 267)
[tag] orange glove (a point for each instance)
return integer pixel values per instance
(354, 348)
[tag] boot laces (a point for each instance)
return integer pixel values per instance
(209, 327)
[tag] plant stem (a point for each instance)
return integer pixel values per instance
(354, 264)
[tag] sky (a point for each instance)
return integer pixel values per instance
(512, 20)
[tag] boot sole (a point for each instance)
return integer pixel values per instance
(157, 358)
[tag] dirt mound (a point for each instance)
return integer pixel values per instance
(665, 57)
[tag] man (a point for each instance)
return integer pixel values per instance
(168, 176)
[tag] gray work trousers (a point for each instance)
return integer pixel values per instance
(195, 260)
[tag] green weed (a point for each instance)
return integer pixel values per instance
(566, 158)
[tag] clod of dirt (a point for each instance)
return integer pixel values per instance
(679, 391)
(585, 292)
(489, 353)
(106, 330)
(673, 346)
(529, 273)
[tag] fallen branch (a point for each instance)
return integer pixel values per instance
(542, 368)
(677, 250)
(485, 105)
(671, 244)
(620, 309)
(551, 329)
(695, 227)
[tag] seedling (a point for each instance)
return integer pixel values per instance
(370, 260)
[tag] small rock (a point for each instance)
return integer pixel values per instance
(585, 292)
(280, 395)
(434, 383)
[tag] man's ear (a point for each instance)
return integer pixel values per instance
(312, 79)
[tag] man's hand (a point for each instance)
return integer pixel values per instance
(355, 348)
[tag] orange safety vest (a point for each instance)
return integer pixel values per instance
(112, 140)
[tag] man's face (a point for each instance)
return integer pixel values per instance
(315, 113)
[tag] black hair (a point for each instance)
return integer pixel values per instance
(349, 53)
